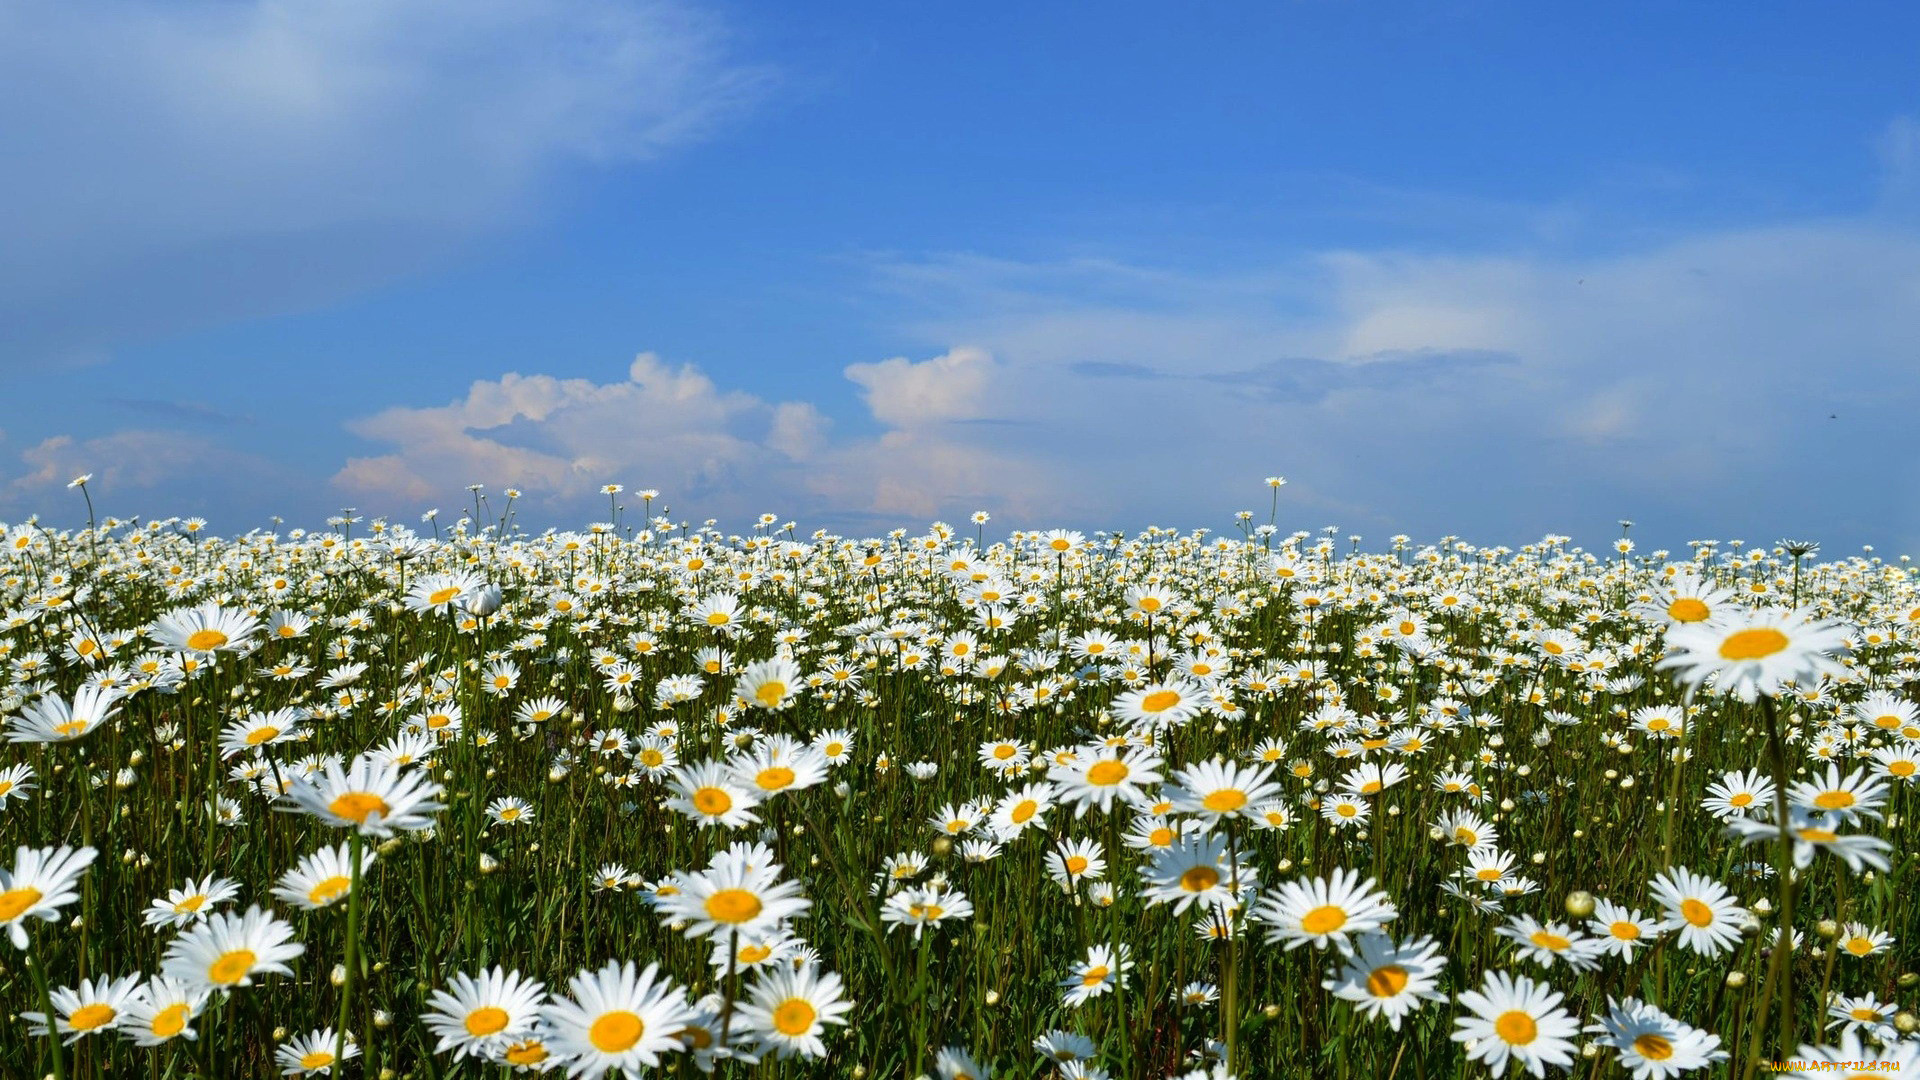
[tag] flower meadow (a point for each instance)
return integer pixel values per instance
(470, 801)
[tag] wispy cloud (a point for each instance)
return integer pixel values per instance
(171, 166)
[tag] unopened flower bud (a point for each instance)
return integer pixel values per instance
(1579, 903)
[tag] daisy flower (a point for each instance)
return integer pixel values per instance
(1198, 870)
(483, 1016)
(1546, 943)
(52, 719)
(1385, 979)
(94, 1006)
(314, 1052)
(1467, 829)
(1841, 799)
(258, 730)
(711, 794)
(1160, 705)
(787, 1011)
(1653, 1045)
(1021, 810)
(1701, 909)
(372, 797)
(1619, 930)
(1751, 653)
(1102, 774)
(769, 684)
(1325, 910)
(730, 896)
(41, 881)
(922, 907)
(616, 1019)
(1095, 975)
(322, 879)
(1866, 1015)
(1859, 939)
(1076, 861)
(163, 1010)
(205, 629)
(1812, 835)
(509, 810)
(228, 950)
(1737, 794)
(1515, 1023)
(192, 903)
(1219, 790)
(15, 782)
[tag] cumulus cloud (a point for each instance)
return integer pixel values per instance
(173, 165)
(726, 452)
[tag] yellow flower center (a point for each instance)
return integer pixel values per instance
(1005, 751)
(262, 735)
(753, 954)
(1834, 800)
(329, 890)
(1653, 1047)
(1386, 981)
(1859, 946)
(1696, 912)
(231, 967)
(1108, 773)
(616, 1032)
(1818, 836)
(91, 1017)
(774, 778)
(70, 729)
(712, 801)
(1095, 975)
(1324, 919)
(1742, 799)
(319, 1059)
(357, 806)
(1755, 644)
(206, 640)
(771, 693)
(1199, 879)
(190, 904)
(169, 1021)
(1688, 609)
(442, 596)
(1516, 1028)
(1159, 701)
(733, 906)
(1550, 941)
(1225, 801)
(486, 1020)
(794, 1016)
(15, 901)
(1625, 931)
(531, 1052)
(1076, 864)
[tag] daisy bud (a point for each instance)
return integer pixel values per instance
(993, 997)
(1506, 806)
(942, 845)
(1523, 770)
(1763, 906)
(338, 976)
(1626, 782)
(279, 1034)
(1590, 1050)
(136, 757)
(1611, 774)
(859, 1072)
(1750, 926)
(1908, 980)
(1827, 928)
(1539, 858)
(1905, 1022)
(382, 1018)
(1579, 903)
(488, 864)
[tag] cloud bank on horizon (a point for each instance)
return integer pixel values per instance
(249, 165)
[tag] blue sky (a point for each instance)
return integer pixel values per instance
(1486, 269)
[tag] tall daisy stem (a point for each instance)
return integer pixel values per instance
(1779, 965)
(352, 946)
(46, 1005)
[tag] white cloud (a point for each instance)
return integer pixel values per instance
(168, 165)
(1689, 385)
(724, 452)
